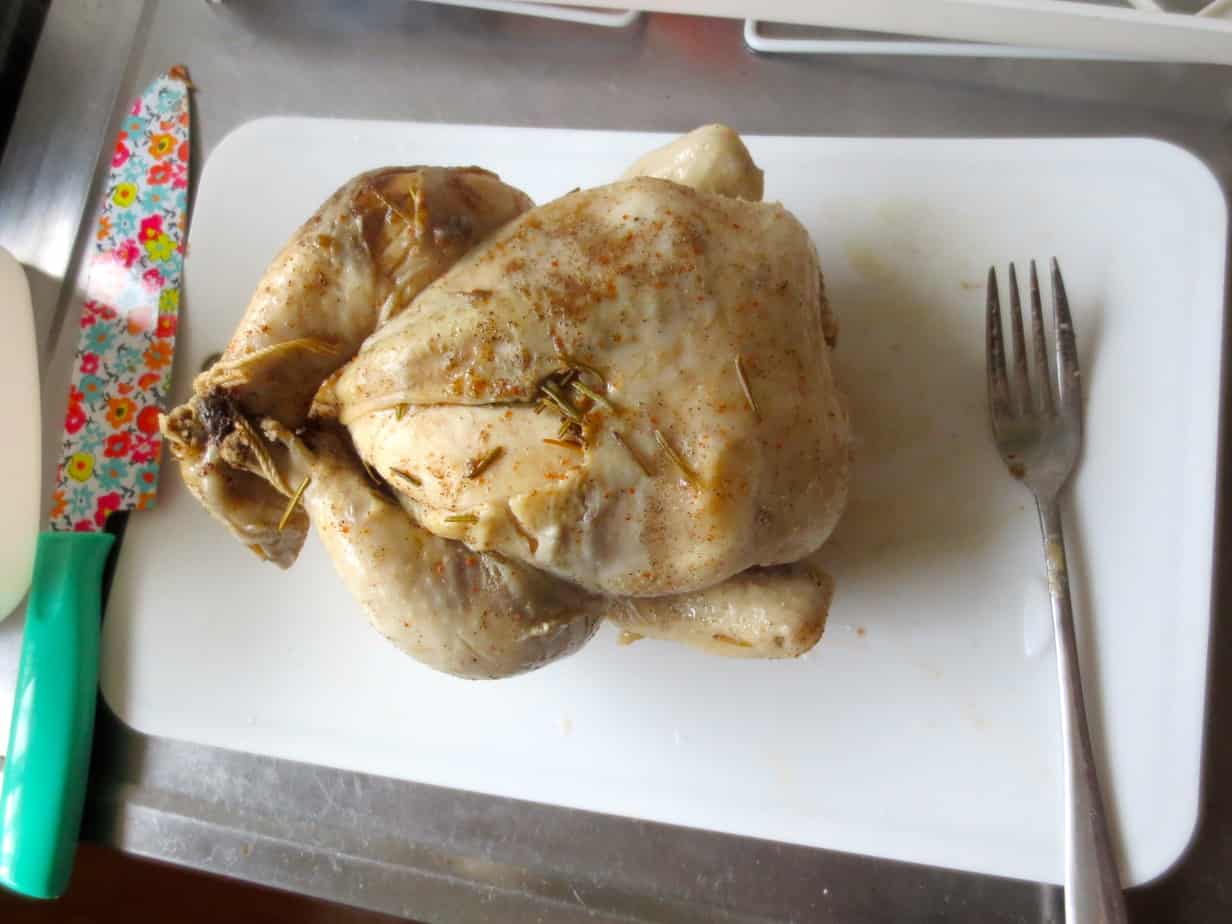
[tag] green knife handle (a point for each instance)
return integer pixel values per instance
(53, 715)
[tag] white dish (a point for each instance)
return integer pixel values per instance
(924, 727)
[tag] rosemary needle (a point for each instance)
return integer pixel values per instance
(371, 474)
(299, 492)
(689, 474)
(557, 397)
(583, 389)
(641, 463)
(480, 465)
(401, 473)
(748, 392)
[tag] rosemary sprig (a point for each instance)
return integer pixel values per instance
(468, 518)
(400, 411)
(641, 463)
(480, 465)
(689, 475)
(299, 492)
(748, 392)
(564, 444)
(553, 393)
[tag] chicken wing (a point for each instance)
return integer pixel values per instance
(366, 253)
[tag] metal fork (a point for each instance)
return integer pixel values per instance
(1039, 435)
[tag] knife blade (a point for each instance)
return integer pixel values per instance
(109, 462)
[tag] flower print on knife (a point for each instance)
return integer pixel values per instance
(133, 172)
(80, 466)
(100, 338)
(97, 310)
(74, 419)
(151, 228)
(159, 174)
(126, 226)
(154, 199)
(80, 504)
(92, 438)
(146, 478)
(145, 448)
(107, 503)
(120, 412)
(124, 195)
(127, 360)
(147, 420)
(59, 504)
(128, 252)
(140, 316)
(158, 246)
(158, 355)
(162, 248)
(118, 445)
(112, 473)
(93, 389)
(161, 145)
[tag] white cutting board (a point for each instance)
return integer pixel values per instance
(925, 725)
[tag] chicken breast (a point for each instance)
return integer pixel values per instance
(711, 438)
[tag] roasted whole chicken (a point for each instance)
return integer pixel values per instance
(508, 423)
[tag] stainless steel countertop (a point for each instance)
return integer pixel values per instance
(440, 855)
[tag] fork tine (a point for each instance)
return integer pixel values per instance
(998, 387)
(1040, 347)
(1021, 391)
(1069, 383)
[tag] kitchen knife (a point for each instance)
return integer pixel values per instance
(109, 462)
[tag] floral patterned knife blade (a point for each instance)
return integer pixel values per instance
(109, 462)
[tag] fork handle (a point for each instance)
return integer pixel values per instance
(1092, 888)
